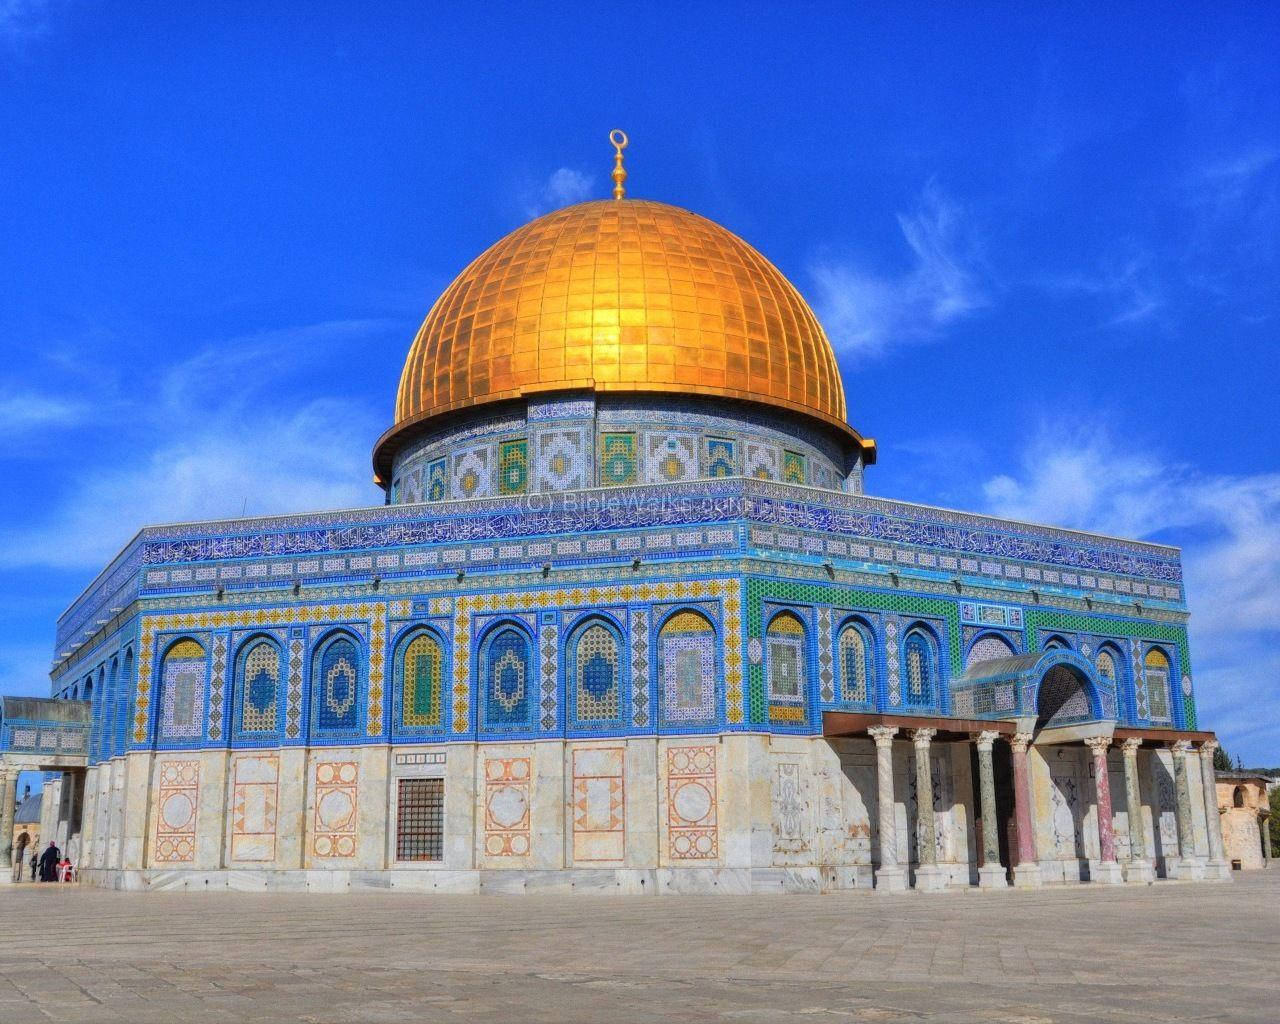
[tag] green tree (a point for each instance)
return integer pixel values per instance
(1274, 821)
(1221, 760)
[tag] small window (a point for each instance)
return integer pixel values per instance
(420, 820)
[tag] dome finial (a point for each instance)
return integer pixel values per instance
(619, 139)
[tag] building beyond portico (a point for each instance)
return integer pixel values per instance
(628, 621)
(1245, 806)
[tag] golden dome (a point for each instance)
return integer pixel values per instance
(617, 296)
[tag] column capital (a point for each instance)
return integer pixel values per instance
(1020, 742)
(1098, 744)
(921, 737)
(984, 740)
(883, 734)
(1181, 748)
(1130, 746)
(1208, 747)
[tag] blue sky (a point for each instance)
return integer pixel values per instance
(1045, 244)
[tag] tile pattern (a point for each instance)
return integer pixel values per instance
(513, 466)
(260, 687)
(177, 797)
(640, 667)
(550, 672)
(506, 806)
(618, 459)
(337, 813)
(255, 800)
(422, 676)
(687, 668)
(182, 711)
(693, 831)
(217, 687)
(599, 805)
(596, 664)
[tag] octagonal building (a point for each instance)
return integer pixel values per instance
(625, 622)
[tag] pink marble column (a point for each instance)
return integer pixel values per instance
(1107, 870)
(1027, 871)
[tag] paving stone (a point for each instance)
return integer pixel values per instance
(1058, 956)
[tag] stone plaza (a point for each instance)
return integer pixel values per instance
(1165, 952)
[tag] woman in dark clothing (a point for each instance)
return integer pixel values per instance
(49, 864)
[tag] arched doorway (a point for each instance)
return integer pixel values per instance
(1066, 697)
(1063, 698)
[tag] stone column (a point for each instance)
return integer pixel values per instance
(890, 877)
(1106, 870)
(1218, 867)
(992, 874)
(1264, 823)
(1139, 868)
(1190, 867)
(8, 800)
(1026, 873)
(929, 877)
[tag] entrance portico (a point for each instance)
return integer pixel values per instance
(1059, 782)
(38, 734)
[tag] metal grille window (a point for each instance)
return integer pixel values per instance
(420, 820)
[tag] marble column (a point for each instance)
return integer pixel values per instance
(1107, 870)
(890, 875)
(1218, 867)
(929, 877)
(1026, 873)
(8, 801)
(1190, 867)
(1138, 868)
(992, 873)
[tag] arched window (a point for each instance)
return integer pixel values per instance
(1237, 797)
(988, 648)
(1156, 686)
(336, 686)
(920, 662)
(129, 685)
(110, 697)
(259, 687)
(594, 664)
(88, 689)
(182, 682)
(1056, 643)
(506, 662)
(857, 666)
(421, 669)
(785, 653)
(686, 668)
(1106, 665)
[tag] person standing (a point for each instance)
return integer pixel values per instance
(35, 862)
(49, 864)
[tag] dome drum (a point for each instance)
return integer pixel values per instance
(577, 440)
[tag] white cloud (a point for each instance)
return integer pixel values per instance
(22, 412)
(1229, 526)
(564, 187)
(312, 458)
(867, 312)
(198, 450)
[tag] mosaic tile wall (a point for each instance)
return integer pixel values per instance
(571, 443)
(282, 631)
